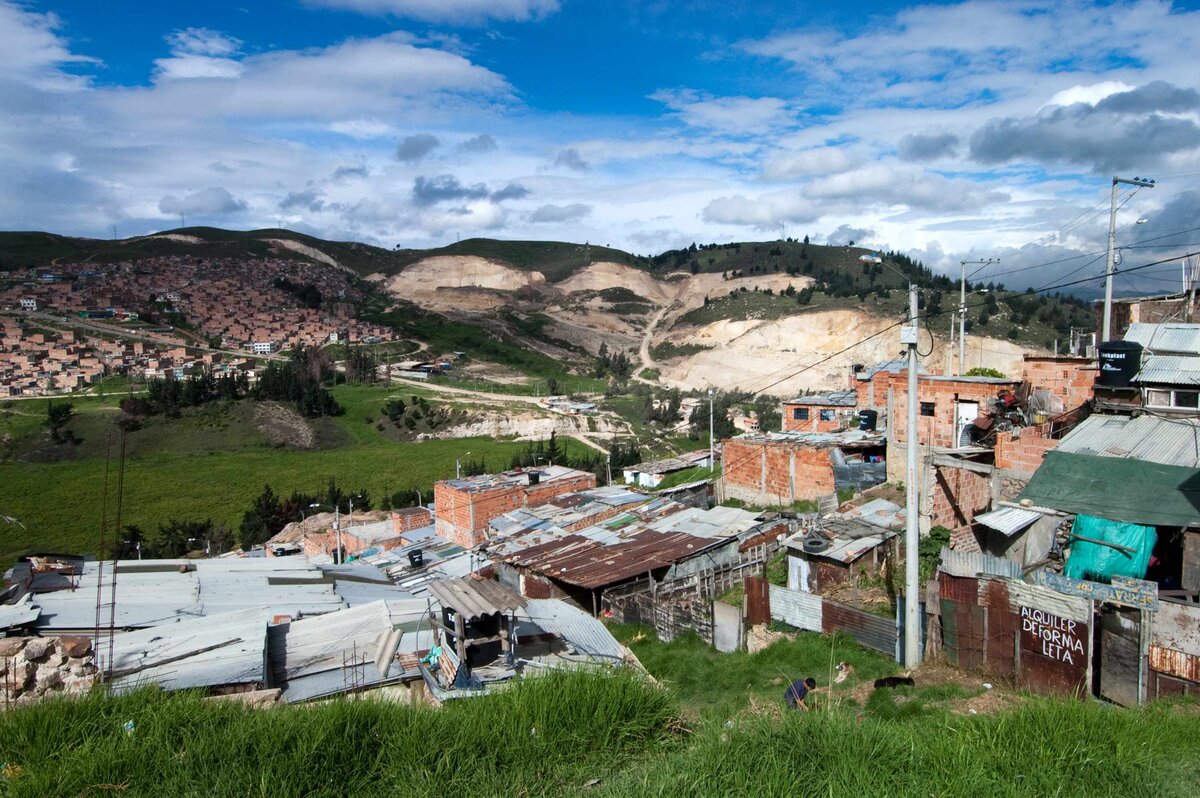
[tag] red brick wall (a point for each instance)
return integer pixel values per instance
(746, 478)
(1024, 454)
(957, 496)
(463, 516)
(938, 429)
(411, 518)
(1071, 379)
(813, 423)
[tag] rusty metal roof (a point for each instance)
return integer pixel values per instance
(472, 598)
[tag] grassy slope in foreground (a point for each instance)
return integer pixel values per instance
(589, 734)
(59, 503)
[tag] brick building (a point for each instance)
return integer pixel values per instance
(463, 507)
(871, 386)
(1069, 378)
(782, 468)
(821, 413)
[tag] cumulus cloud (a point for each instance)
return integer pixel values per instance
(459, 11)
(881, 184)
(206, 202)
(350, 172)
(413, 148)
(361, 128)
(725, 114)
(762, 213)
(1128, 129)
(511, 191)
(928, 147)
(560, 213)
(807, 163)
(481, 143)
(309, 199)
(845, 233)
(442, 188)
(199, 53)
(571, 159)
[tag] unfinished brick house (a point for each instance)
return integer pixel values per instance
(821, 413)
(463, 507)
(785, 467)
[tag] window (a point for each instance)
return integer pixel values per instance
(800, 413)
(927, 408)
(829, 415)
(1162, 397)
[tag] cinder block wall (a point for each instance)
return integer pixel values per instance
(1071, 379)
(775, 473)
(463, 516)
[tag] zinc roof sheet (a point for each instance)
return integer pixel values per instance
(23, 613)
(1183, 339)
(1008, 520)
(581, 631)
(221, 649)
(1169, 370)
(1154, 439)
(834, 399)
(472, 598)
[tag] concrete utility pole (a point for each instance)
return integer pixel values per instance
(962, 309)
(712, 460)
(912, 534)
(458, 465)
(1106, 329)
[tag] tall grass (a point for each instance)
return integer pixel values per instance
(1045, 748)
(543, 737)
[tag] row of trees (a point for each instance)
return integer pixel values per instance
(270, 513)
(617, 364)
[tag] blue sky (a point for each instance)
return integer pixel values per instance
(945, 130)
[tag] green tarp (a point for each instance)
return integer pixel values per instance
(1091, 559)
(1134, 491)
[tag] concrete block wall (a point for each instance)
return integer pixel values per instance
(956, 497)
(775, 473)
(410, 518)
(1071, 379)
(938, 429)
(1023, 454)
(463, 515)
(814, 423)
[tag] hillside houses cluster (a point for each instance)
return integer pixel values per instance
(39, 362)
(237, 301)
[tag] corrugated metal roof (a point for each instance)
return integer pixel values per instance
(1181, 339)
(1169, 370)
(1173, 441)
(23, 613)
(221, 649)
(1008, 520)
(879, 512)
(834, 399)
(578, 628)
(848, 439)
(972, 564)
(472, 598)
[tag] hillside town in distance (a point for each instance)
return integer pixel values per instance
(65, 328)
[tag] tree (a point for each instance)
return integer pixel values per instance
(263, 520)
(58, 414)
(552, 387)
(177, 538)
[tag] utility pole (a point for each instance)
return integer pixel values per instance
(712, 461)
(912, 534)
(962, 309)
(1106, 329)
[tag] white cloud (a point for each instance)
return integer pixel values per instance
(33, 50)
(206, 202)
(817, 161)
(467, 12)
(884, 185)
(726, 114)
(764, 212)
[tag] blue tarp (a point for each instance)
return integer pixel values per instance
(1099, 562)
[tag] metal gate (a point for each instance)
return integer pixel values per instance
(1121, 661)
(758, 600)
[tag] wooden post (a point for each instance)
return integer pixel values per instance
(460, 634)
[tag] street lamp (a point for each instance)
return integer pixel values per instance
(458, 465)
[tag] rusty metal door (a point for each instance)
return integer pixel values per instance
(1120, 655)
(758, 600)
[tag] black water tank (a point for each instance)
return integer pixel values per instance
(1119, 363)
(867, 419)
(535, 477)
(416, 558)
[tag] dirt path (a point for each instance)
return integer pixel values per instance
(586, 441)
(644, 350)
